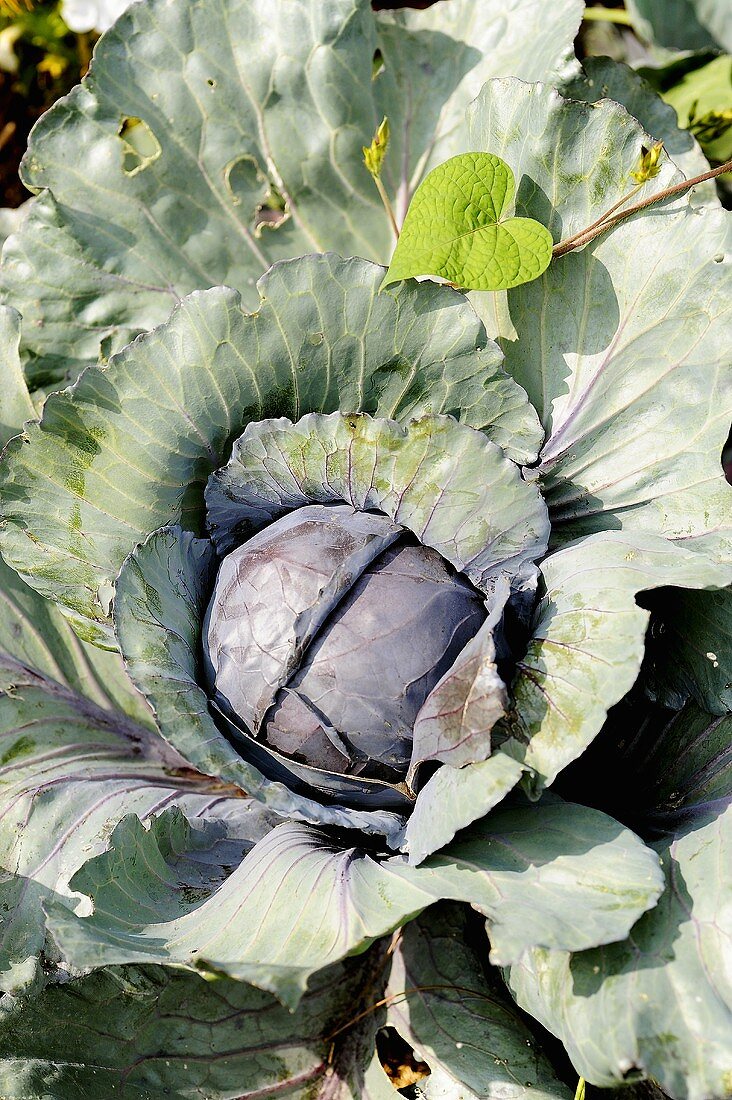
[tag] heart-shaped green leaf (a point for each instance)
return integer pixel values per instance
(456, 227)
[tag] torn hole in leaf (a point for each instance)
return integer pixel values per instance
(401, 1064)
(243, 179)
(271, 213)
(105, 595)
(250, 187)
(377, 64)
(140, 147)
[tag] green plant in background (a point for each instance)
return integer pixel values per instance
(40, 60)
(680, 55)
(683, 24)
(700, 91)
(41, 28)
(525, 819)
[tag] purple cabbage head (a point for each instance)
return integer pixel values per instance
(325, 634)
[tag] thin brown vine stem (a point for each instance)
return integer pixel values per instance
(386, 1001)
(605, 216)
(584, 238)
(590, 233)
(394, 943)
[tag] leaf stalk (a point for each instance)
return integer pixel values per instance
(387, 205)
(373, 158)
(603, 218)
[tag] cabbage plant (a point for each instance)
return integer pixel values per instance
(364, 660)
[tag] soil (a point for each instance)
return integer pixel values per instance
(17, 115)
(24, 96)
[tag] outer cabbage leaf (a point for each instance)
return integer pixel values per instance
(299, 903)
(70, 772)
(683, 24)
(588, 642)
(689, 653)
(532, 859)
(661, 1002)
(129, 447)
(168, 167)
(34, 632)
(15, 403)
(457, 1013)
(452, 798)
(621, 346)
(149, 1033)
(603, 78)
(270, 97)
(656, 763)
(562, 874)
(687, 769)
(425, 97)
(10, 218)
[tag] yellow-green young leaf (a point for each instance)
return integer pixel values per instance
(459, 226)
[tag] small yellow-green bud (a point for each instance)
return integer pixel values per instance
(373, 154)
(648, 165)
